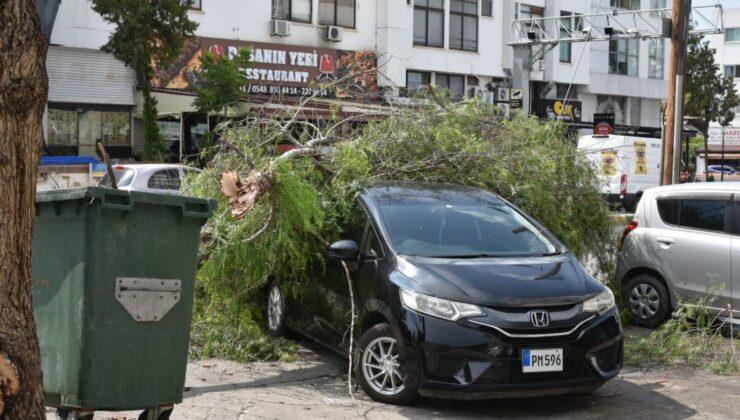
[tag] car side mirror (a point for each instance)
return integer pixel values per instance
(345, 250)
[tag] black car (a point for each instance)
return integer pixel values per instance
(459, 295)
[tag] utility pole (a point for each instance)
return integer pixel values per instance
(674, 104)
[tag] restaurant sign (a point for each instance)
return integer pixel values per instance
(558, 109)
(284, 70)
(731, 136)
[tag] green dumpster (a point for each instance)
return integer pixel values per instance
(113, 279)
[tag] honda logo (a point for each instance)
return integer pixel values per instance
(539, 318)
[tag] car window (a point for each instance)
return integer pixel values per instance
(703, 214)
(668, 210)
(123, 178)
(470, 229)
(167, 179)
(372, 249)
(356, 223)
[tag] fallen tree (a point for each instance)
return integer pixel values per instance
(279, 211)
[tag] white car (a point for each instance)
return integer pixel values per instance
(159, 178)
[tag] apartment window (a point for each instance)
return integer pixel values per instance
(416, 81)
(566, 26)
(562, 90)
(337, 13)
(626, 4)
(194, 4)
(656, 57)
(294, 10)
(429, 24)
(453, 84)
(624, 56)
(616, 105)
(486, 8)
(732, 34)
(733, 71)
(464, 25)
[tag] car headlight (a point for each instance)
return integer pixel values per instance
(600, 304)
(440, 308)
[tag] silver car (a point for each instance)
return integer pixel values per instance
(160, 178)
(682, 245)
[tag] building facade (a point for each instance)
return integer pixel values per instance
(399, 46)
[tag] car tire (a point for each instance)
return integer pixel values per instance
(648, 302)
(381, 365)
(276, 325)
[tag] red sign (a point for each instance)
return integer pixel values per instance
(603, 124)
(279, 69)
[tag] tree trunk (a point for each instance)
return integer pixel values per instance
(23, 90)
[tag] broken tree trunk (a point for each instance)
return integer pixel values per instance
(23, 90)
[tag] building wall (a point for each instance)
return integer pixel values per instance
(728, 52)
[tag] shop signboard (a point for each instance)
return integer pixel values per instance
(731, 136)
(283, 70)
(558, 109)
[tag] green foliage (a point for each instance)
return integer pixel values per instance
(146, 31)
(222, 330)
(690, 338)
(710, 95)
(533, 164)
(154, 148)
(223, 80)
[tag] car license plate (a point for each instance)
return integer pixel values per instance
(542, 360)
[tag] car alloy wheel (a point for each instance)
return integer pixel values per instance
(275, 310)
(644, 301)
(381, 367)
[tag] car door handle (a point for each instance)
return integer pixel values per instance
(664, 240)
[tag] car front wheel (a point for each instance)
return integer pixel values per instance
(647, 300)
(381, 370)
(275, 310)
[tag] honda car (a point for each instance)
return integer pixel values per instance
(458, 295)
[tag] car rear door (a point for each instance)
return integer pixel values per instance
(735, 257)
(692, 244)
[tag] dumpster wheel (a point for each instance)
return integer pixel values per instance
(157, 413)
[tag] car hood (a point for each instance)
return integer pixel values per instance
(501, 282)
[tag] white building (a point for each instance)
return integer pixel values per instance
(727, 55)
(458, 45)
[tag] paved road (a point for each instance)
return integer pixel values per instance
(315, 388)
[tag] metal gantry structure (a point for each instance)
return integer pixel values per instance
(533, 38)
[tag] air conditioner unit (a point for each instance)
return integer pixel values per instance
(333, 33)
(502, 94)
(279, 28)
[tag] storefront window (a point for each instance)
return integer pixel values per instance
(416, 81)
(115, 128)
(62, 127)
(613, 105)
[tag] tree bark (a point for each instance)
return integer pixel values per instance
(23, 91)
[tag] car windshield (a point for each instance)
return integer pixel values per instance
(474, 229)
(123, 178)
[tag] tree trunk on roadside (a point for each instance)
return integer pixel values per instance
(23, 90)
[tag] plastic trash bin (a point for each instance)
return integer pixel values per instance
(113, 279)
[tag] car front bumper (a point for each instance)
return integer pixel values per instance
(463, 360)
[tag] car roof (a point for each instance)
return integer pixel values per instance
(698, 186)
(415, 191)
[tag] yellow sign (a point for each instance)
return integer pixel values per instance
(640, 158)
(608, 162)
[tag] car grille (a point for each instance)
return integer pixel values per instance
(508, 371)
(609, 357)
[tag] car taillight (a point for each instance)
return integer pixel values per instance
(623, 185)
(630, 227)
(119, 167)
